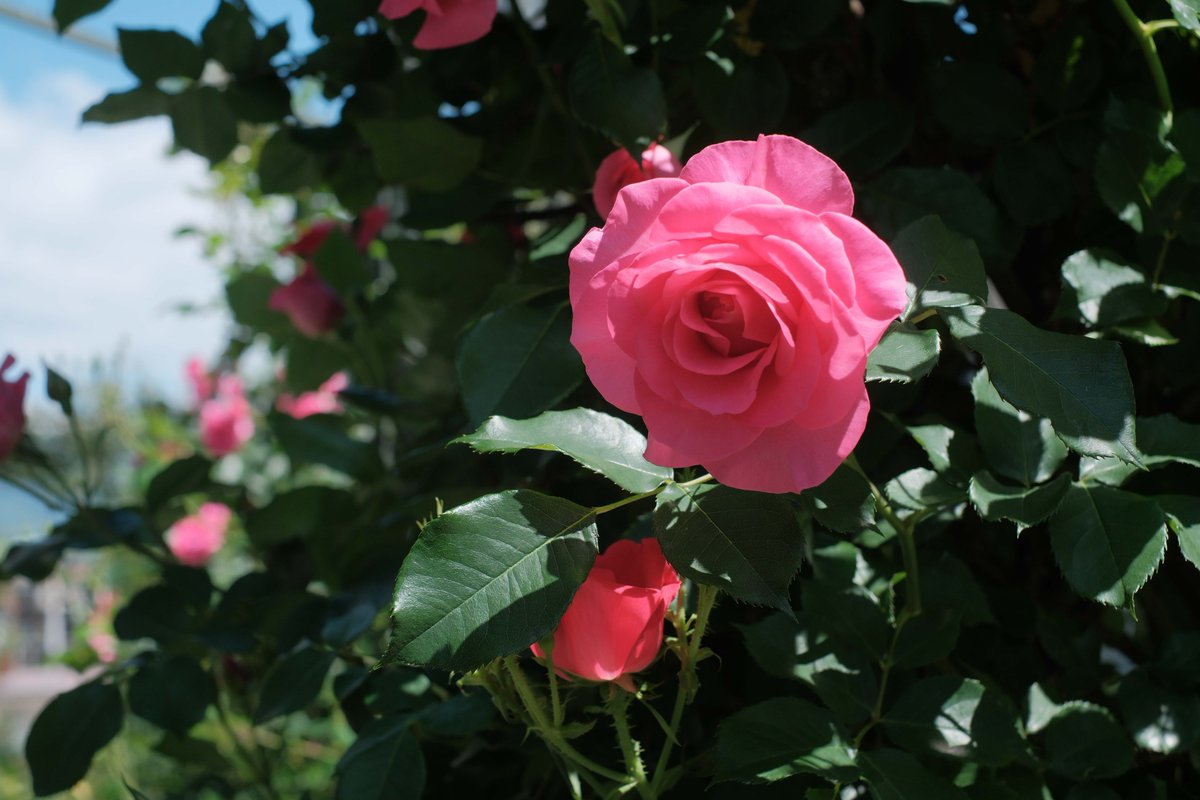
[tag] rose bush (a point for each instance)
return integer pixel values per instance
(614, 625)
(733, 308)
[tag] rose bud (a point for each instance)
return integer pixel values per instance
(614, 625)
(618, 170)
(310, 303)
(448, 23)
(12, 409)
(733, 309)
(194, 539)
(322, 401)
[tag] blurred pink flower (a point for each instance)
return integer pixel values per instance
(448, 23)
(366, 229)
(310, 303)
(225, 419)
(322, 401)
(618, 170)
(200, 378)
(194, 539)
(105, 646)
(12, 408)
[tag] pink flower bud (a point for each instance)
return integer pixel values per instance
(614, 625)
(323, 401)
(448, 23)
(310, 303)
(201, 380)
(12, 409)
(618, 170)
(225, 420)
(193, 540)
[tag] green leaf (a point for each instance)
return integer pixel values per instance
(303, 513)
(156, 612)
(1070, 67)
(927, 638)
(69, 732)
(844, 502)
(1032, 183)
(951, 451)
(321, 439)
(1017, 445)
(1160, 720)
(1106, 291)
(1183, 517)
(850, 614)
(143, 101)
(424, 153)
(905, 195)
(1166, 439)
(1187, 13)
(59, 390)
(68, 12)
(1185, 135)
(154, 54)
(1023, 505)
(293, 683)
(746, 543)
(1108, 542)
(959, 718)
(608, 93)
(893, 775)
(603, 444)
(489, 578)
(782, 737)
(203, 123)
(920, 489)
(1135, 168)
(180, 477)
(904, 354)
(1084, 742)
(980, 103)
(229, 38)
(741, 98)
(171, 693)
(943, 268)
(1081, 385)
(385, 763)
(863, 135)
(788, 25)
(285, 166)
(517, 362)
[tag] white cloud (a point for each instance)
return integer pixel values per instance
(89, 265)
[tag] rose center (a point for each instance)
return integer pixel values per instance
(724, 315)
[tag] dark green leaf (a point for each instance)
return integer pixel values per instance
(1081, 385)
(285, 166)
(293, 683)
(424, 153)
(741, 98)
(67, 12)
(1017, 445)
(1166, 439)
(956, 717)
(461, 715)
(517, 362)
(607, 92)
(489, 578)
(927, 638)
(1160, 720)
(1108, 542)
(172, 693)
(979, 103)
(788, 25)
(321, 439)
(385, 763)
(746, 543)
(850, 614)
(864, 135)
(158, 613)
(1135, 168)
(1084, 742)
(951, 451)
(203, 123)
(780, 738)
(943, 269)
(33, 560)
(844, 502)
(1032, 183)
(1070, 67)
(904, 354)
(1106, 291)
(1023, 505)
(180, 477)
(604, 444)
(144, 101)
(1185, 135)
(154, 54)
(1183, 516)
(919, 489)
(69, 732)
(309, 511)
(893, 775)
(229, 38)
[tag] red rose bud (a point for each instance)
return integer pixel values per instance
(614, 625)
(12, 408)
(310, 303)
(448, 23)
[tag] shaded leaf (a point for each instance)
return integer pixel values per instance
(782, 737)
(293, 683)
(1020, 504)
(69, 732)
(904, 354)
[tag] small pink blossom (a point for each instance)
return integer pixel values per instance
(202, 382)
(322, 401)
(448, 23)
(366, 230)
(310, 303)
(226, 422)
(104, 645)
(619, 170)
(194, 539)
(12, 409)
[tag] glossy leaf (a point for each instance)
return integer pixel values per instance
(180, 477)
(943, 268)
(1018, 445)
(171, 693)
(69, 732)
(1023, 505)
(1084, 742)
(424, 153)
(893, 775)
(783, 737)
(293, 684)
(385, 763)
(904, 355)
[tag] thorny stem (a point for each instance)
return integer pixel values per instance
(631, 749)
(1144, 33)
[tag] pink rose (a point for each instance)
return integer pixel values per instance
(448, 23)
(225, 420)
(193, 540)
(12, 408)
(310, 303)
(201, 380)
(618, 170)
(323, 401)
(614, 625)
(365, 230)
(733, 308)
(104, 645)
